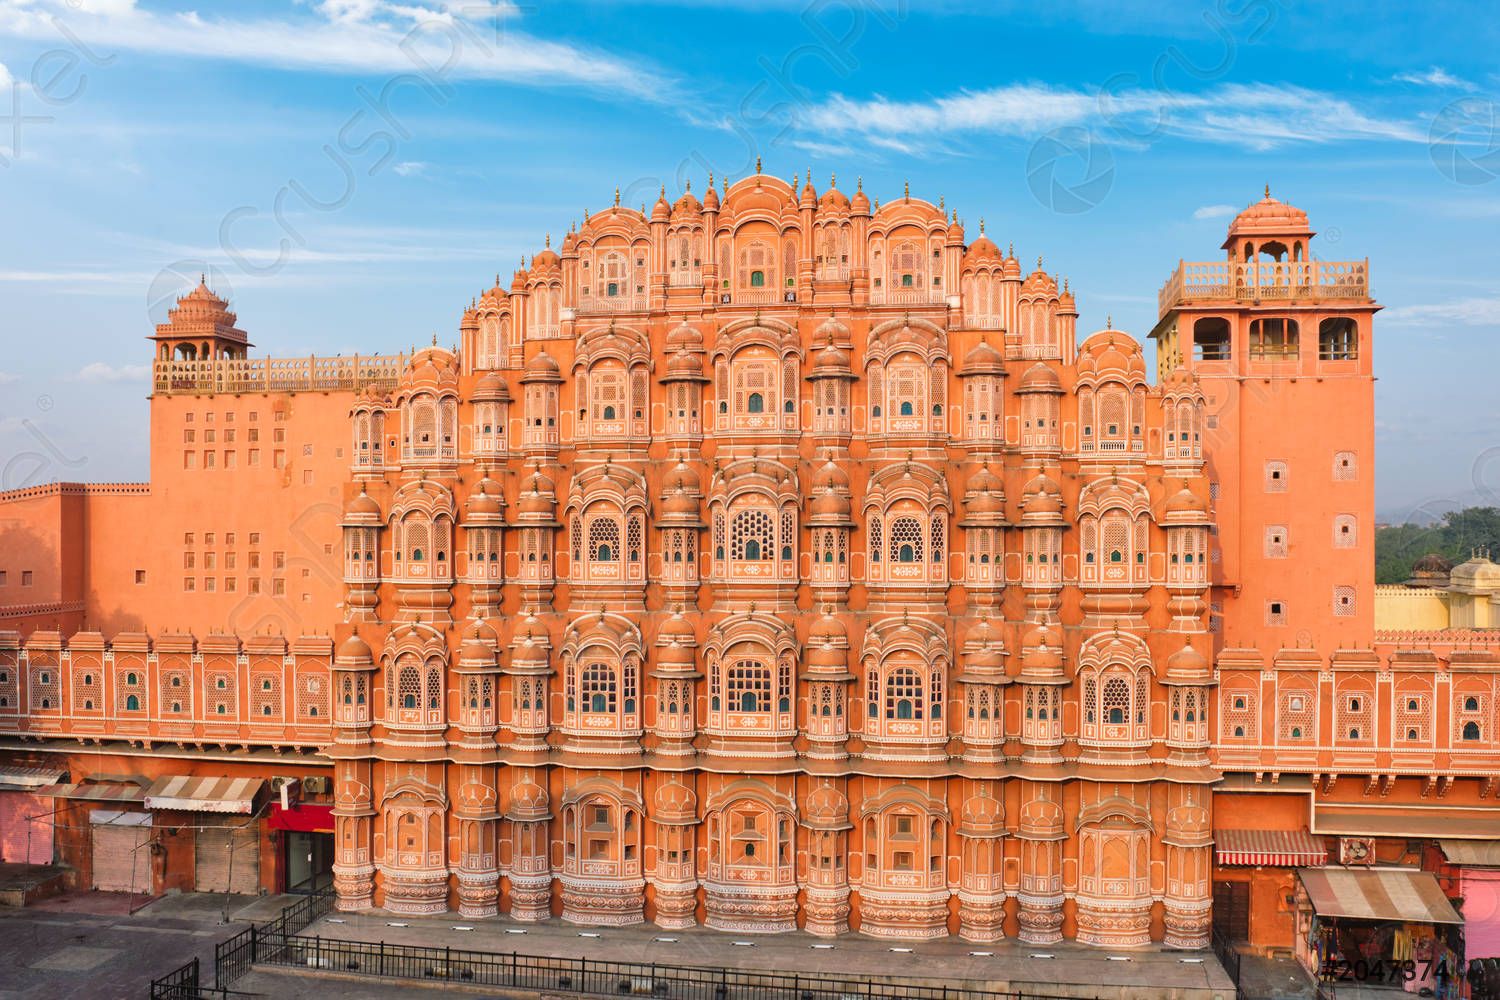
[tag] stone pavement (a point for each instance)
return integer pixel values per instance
(1063, 969)
(89, 944)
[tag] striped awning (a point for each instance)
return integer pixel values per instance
(1472, 853)
(1269, 848)
(1378, 894)
(217, 795)
(29, 777)
(122, 792)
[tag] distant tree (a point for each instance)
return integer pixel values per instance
(1456, 538)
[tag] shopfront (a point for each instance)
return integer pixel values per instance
(1391, 927)
(306, 832)
(223, 817)
(1478, 885)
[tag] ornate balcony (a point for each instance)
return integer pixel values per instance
(1285, 281)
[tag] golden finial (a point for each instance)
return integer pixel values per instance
(710, 178)
(1065, 284)
(942, 205)
(549, 241)
(1010, 251)
(1109, 321)
(757, 164)
(690, 185)
(981, 225)
(585, 215)
(795, 178)
(1039, 262)
(724, 185)
(833, 180)
(1268, 190)
(861, 186)
(434, 340)
(617, 197)
(906, 190)
(663, 190)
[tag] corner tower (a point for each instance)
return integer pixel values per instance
(1281, 344)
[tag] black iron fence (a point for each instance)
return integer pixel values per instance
(1228, 955)
(234, 957)
(183, 984)
(587, 977)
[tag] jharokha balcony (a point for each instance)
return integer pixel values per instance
(1255, 281)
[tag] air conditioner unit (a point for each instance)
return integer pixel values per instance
(316, 785)
(1356, 850)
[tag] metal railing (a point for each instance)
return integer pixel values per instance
(183, 984)
(310, 374)
(588, 977)
(234, 957)
(1227, 954)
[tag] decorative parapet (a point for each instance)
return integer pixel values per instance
(311, 374)
(1256, 281)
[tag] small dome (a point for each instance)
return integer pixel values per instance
(688, 204)
(983, 249)
(830, 504)
(474, 652)
(685, 365)
(827, 805)
(491, 387)
(682, 476)
(362, 507)
(542, 367)
(1041, 496)
(1039, 655)
(684, 336)
(662, 210)
(831, 360)
(1040, 378)
(486, 500)
(981, 814)
(834, 200)
(983, 359)
(675, 803)
(528, 801)
(1187, 663)
(831, 475)
(1185, 503)
(860, 203)
(354, 650)
(829, 628)
(680, 504)
(710, 198)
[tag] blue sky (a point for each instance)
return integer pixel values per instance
(350, 172)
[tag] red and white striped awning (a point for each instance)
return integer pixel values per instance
(219, 795)
(1269, 848)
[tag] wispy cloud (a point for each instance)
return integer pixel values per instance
(1434, 77)
(98, 371)
(1214, 212)
(6, 378)
(1257, 116)
(445, 40)
(410, 168)
(1472, 311)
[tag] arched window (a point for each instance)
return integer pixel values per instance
(133, 704)
(1471, 731)
(755, 403)
(750, 535)
(903, 694)
(598, 688)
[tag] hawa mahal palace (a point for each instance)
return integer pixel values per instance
(770, 560)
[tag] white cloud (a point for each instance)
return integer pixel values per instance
(1434, 77)
(1214, 212)
(444, 40)
(6, 378)
(410, 168)
(1472, 311)
(98, 371)
(1258, 116)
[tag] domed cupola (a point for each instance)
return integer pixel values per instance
(828, 645)
(1042, 657)
(491, 388)
(542, 368)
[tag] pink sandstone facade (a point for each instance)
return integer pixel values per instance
(770, 561)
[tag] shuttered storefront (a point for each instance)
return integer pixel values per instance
(121, 859)
(227, 856)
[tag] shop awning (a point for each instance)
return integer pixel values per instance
(1473, 853)
(216, 795)
(12, 778)
(305, 818)
(1272, 848)
(121, 792)
(1378, 894)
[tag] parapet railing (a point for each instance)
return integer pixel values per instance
(1255, 280)
(310, 374)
